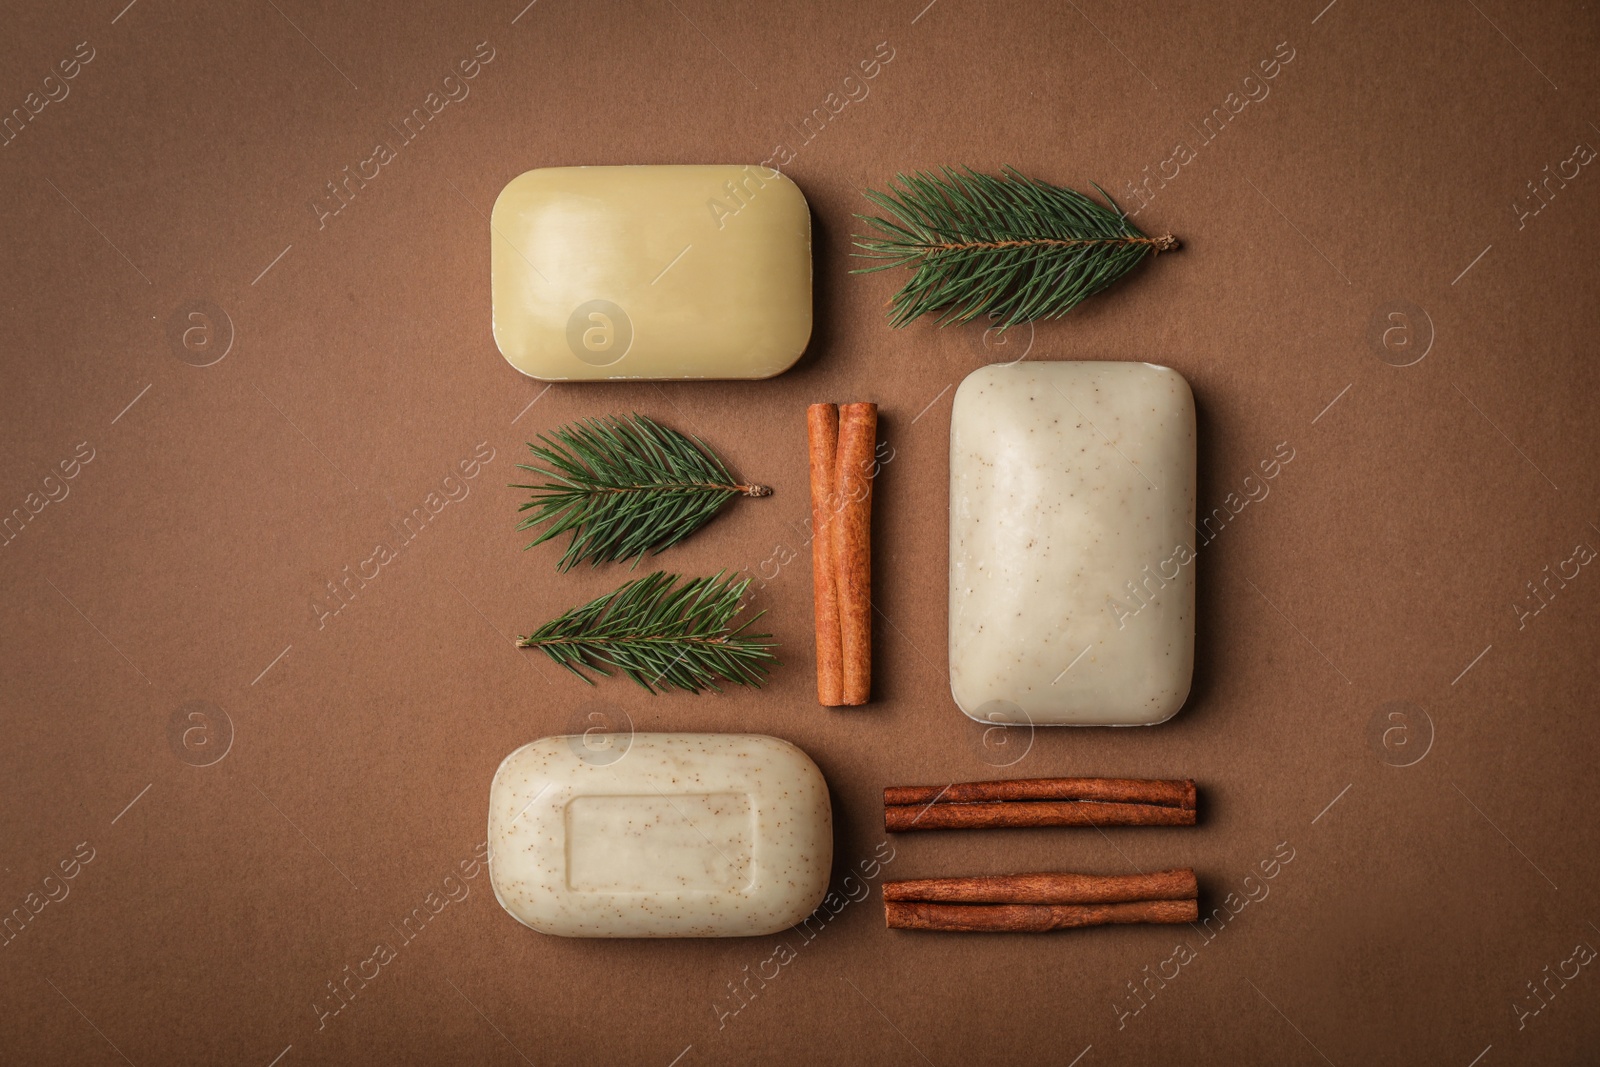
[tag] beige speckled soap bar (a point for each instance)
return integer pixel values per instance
(616, 273)
(659, 835)
(1072, 502)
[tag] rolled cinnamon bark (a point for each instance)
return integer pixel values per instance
(852, 542)
(1050, 888)
(822, 432)
(986, 816)
(1177, 793)
(1032, 918)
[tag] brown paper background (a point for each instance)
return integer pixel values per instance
(1379, 174)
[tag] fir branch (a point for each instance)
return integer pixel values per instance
(1008, 247)
(660, 636)
(624, 486)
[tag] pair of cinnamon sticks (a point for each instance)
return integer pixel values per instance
(1033, 903)
(843, 442)
(1038, 902)
(1026, 802)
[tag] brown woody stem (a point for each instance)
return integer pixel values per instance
(1053, 888)
(1032, 918)
(1177, 793)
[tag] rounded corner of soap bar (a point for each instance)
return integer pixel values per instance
(1162, 368)
(789, 189)
(509, 189)
(510, 350)
(1166, 710)
(1159, 701)
(1181, 386)
(636, 273)
(659, 835)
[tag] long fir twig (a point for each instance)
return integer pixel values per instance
(1008, 247)
(623, 486)
(660, 636)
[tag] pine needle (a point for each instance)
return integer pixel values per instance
(660, 636)
(623, 486)
(1008, 247)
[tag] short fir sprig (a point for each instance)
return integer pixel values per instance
(1009, 247)
(623, 486)
(662, 635)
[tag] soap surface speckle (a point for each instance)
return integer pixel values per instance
(659, 835)
(1072, 503)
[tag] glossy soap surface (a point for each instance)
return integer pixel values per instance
(1072, 502)
(659, 835)
(666, 272)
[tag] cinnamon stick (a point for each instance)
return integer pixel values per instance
(822, 432)
(1179, 793)
(1013, 814)
(1050, 888)
(852, 547)
(1032, 918)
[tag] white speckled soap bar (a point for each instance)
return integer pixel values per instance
(1072, 502)
(659, 835)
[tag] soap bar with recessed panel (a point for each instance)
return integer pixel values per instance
(659, 835)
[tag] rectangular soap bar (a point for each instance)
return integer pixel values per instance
(1072, 502)
(651, 272)
(659, 835)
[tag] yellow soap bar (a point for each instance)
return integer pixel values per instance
(627, 273)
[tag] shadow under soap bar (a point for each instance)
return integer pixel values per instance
(659, 835)
(1072, 503)
(659, 272)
